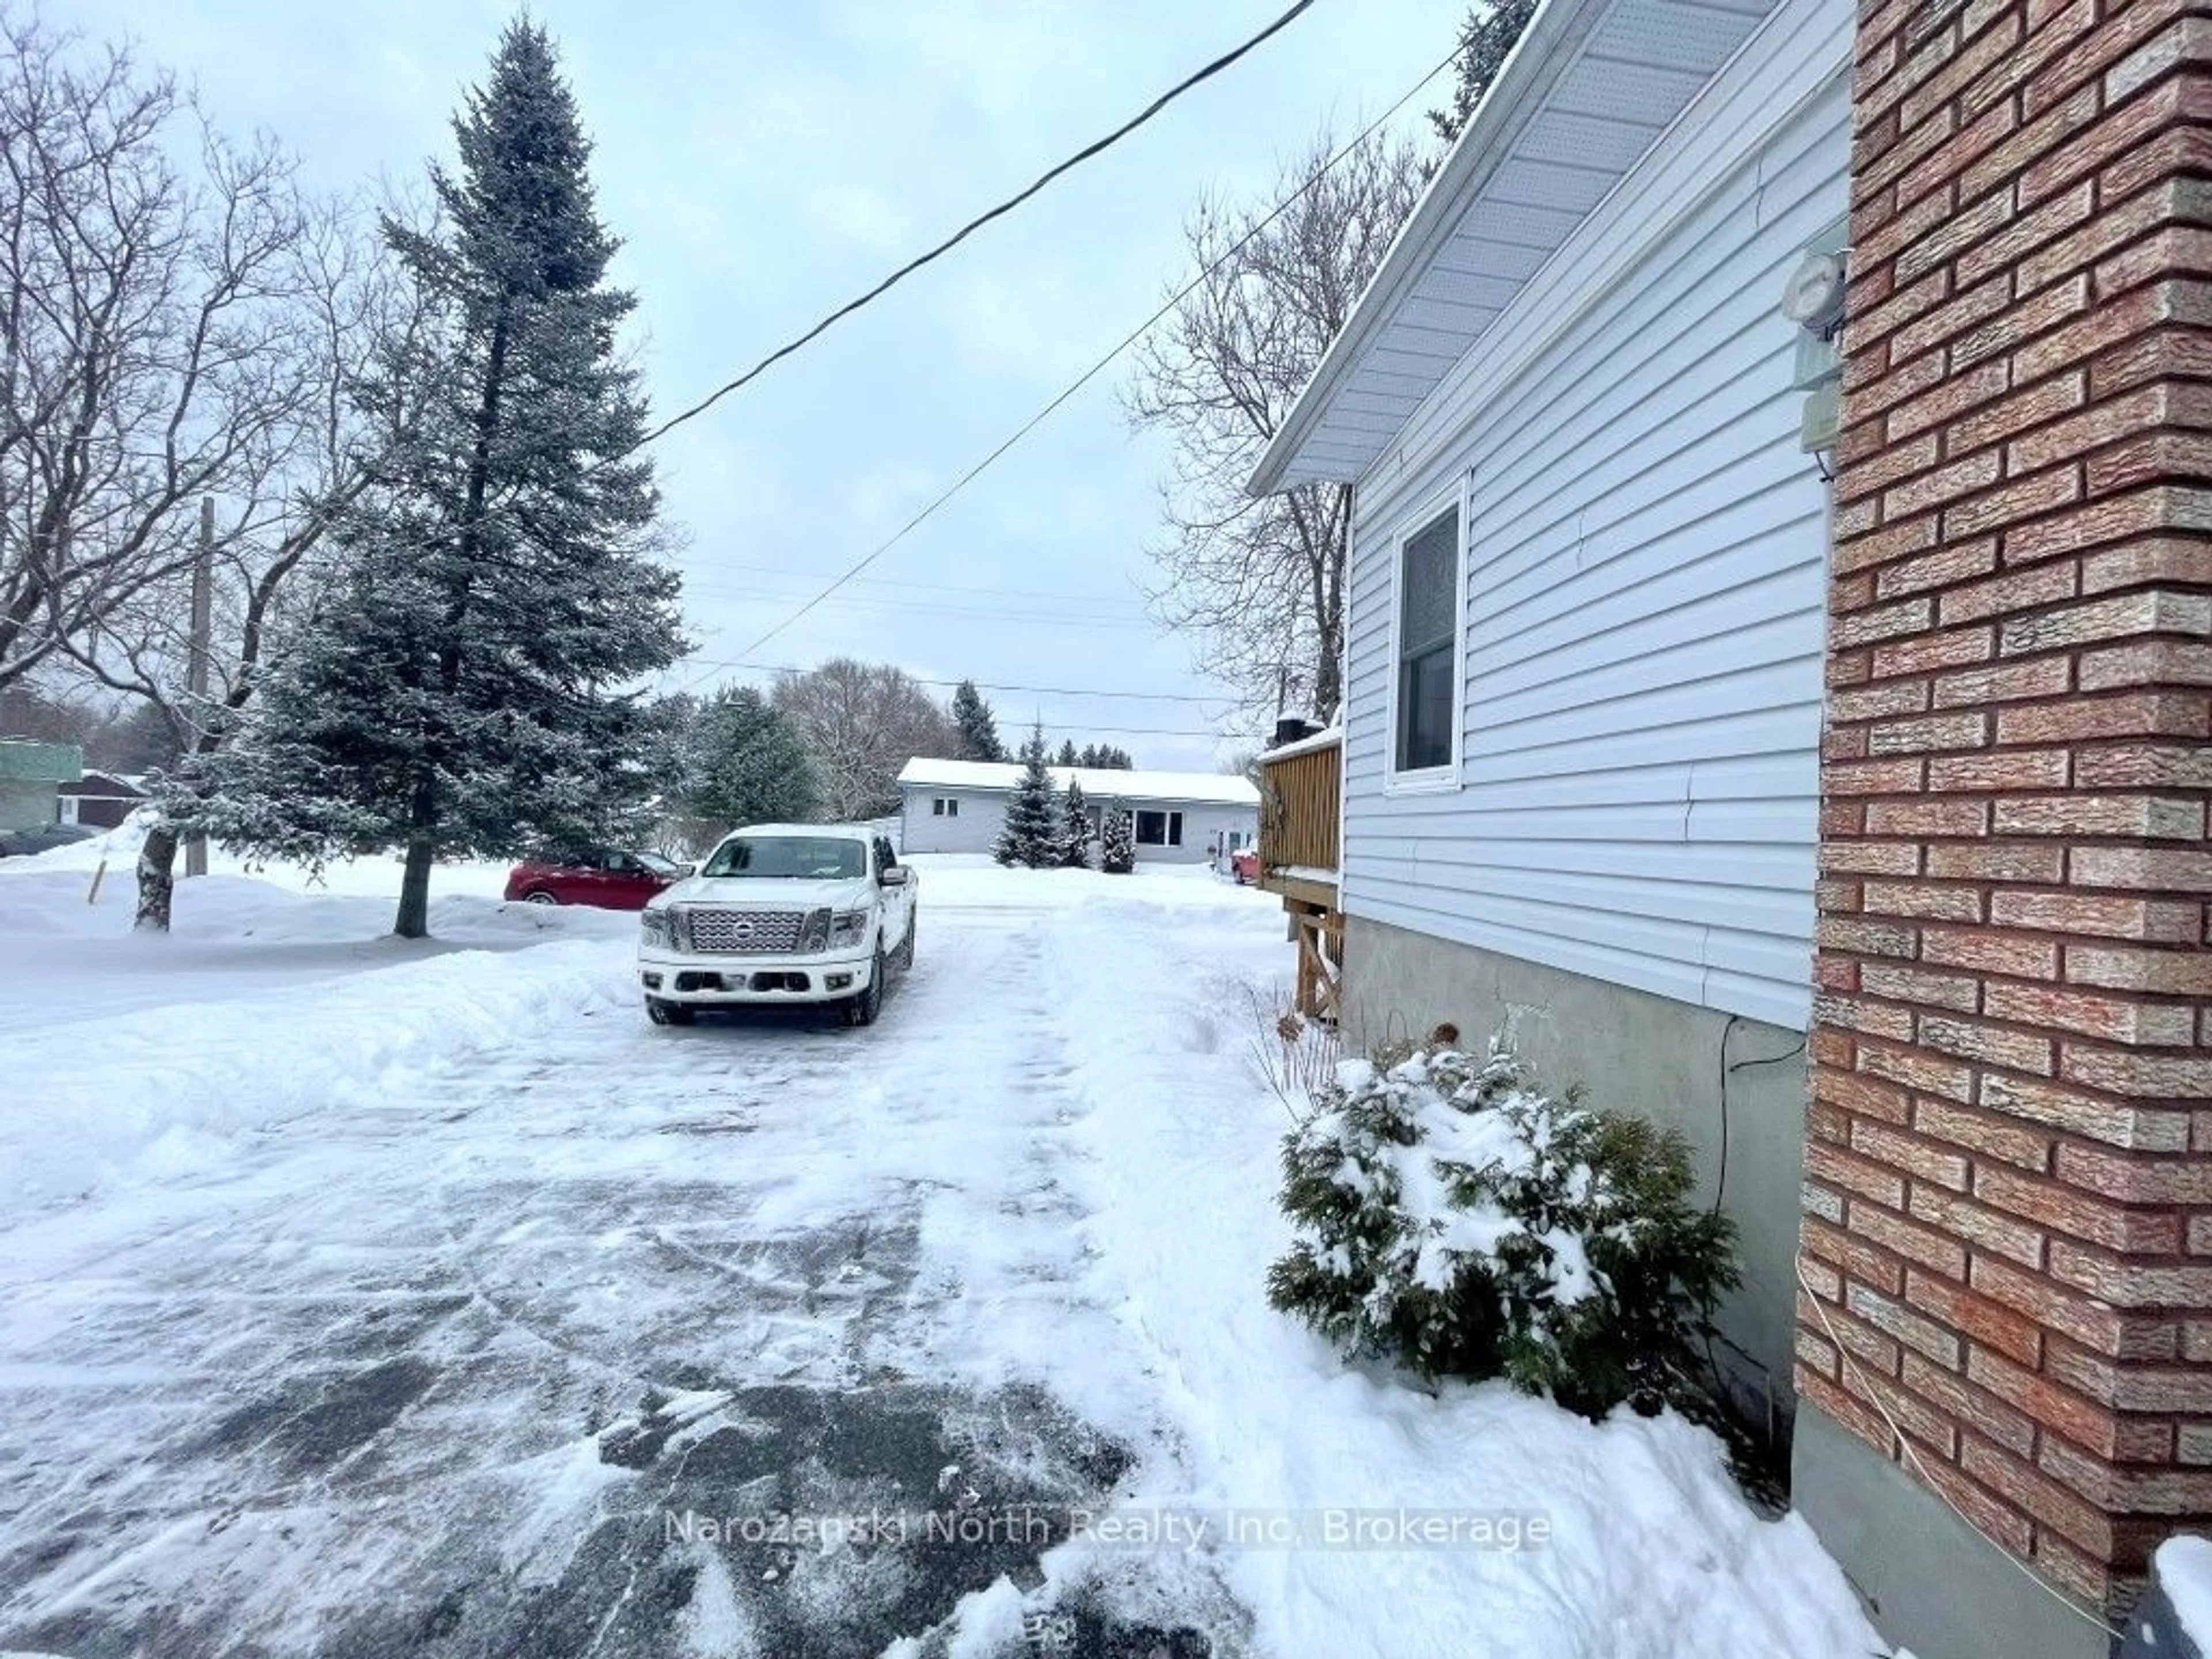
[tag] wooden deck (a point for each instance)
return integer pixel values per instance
(1299, 795)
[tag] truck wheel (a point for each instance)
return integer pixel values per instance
(864, 1008)
(661, 1011)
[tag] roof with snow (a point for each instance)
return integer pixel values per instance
(1589, 88)
(1100, 783)
(104, 785)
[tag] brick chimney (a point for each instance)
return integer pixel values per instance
(2008, 1234)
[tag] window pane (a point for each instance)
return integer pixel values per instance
(1430, 608)
(952, 807)
(1426, 690)
(1151, 829)
(1175, 828)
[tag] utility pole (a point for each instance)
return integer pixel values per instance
(196, 662)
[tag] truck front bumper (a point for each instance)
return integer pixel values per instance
(726, 981)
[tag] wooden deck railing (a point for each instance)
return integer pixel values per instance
(1298, 797)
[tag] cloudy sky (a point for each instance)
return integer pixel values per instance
(763, 161)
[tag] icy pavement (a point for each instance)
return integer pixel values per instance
(451, 1308)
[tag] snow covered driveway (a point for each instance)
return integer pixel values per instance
(451, 1308)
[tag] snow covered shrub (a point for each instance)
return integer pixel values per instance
(1117, 841)
(1454, 1217)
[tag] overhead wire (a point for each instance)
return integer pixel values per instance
(1000, 685)
(1026, 613)
(1102, 363)
(691, 585)
(1096, 147)
(699, 406)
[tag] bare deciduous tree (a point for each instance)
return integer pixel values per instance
(860, 723)
(352, 312)
(1261, 582)
(149, 352)
(350, 307)
(173, 337)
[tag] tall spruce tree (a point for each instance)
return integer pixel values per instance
(1031, 835)
(1067, 757)
(1074, 827)
(979, 728)
(1486, 40)
(1117, 841)
(460, 690)
(746, 764)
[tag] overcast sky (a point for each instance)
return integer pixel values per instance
(763, 161)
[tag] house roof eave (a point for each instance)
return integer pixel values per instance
(1589, 88)
(1537, 59)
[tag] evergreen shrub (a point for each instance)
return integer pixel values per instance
(1454, 1218)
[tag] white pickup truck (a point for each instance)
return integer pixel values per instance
(781, 913)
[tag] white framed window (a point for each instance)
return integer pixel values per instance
(945, 806)
(1428, 630)
(1159, 829)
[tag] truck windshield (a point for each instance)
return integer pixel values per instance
(792, 858)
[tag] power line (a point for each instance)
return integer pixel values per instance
(1098, 368)
(694, 410)
(975, 224)
(691, 585)
(999, 685)
(924, 608)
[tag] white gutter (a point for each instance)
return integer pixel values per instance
(1542, 54)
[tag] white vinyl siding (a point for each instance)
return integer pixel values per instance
(1644, 597)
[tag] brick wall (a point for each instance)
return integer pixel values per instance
(2009, 1209)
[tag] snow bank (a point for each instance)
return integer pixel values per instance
(972, 881)
(132, 1055)
(1652, 1550)
(376, 876)
(2183, 1567)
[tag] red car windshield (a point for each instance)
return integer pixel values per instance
(792, 858)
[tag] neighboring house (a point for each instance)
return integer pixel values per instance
(1178, 818)
(99, 801)
(30, 775)
(1672, 762)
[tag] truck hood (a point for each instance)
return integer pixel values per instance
(768, 893)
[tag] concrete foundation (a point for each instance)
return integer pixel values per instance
(1931, 1583)
(1633, 1052)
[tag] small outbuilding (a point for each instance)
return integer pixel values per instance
(99, 801)
(1176, 817)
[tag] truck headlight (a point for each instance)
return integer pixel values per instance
(657, 928)
(848, 927)
(814, 935)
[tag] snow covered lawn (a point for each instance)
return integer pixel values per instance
(426, 1300)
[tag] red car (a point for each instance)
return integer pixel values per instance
(1244, 865)
(608, 879)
